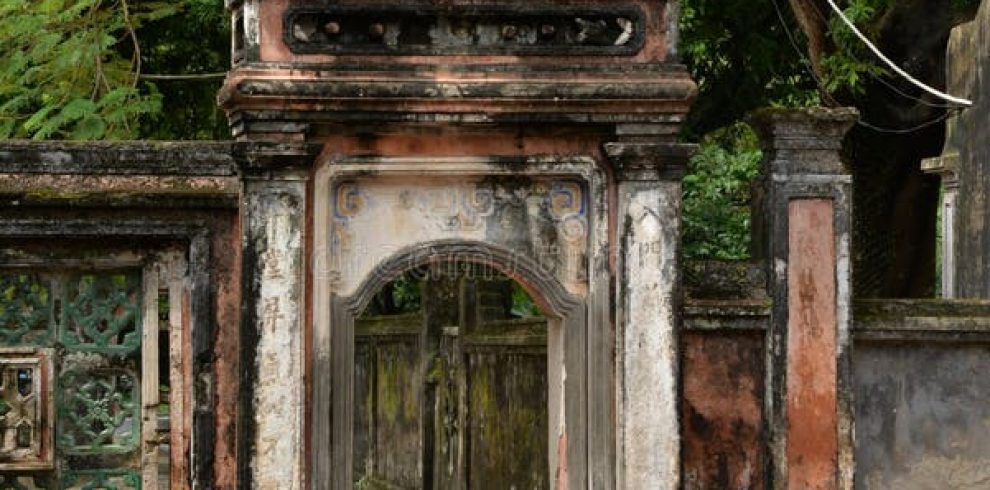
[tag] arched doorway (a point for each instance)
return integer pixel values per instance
(451, 383)
(532, 220)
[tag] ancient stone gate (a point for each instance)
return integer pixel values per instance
(472, 133)
(196, 315)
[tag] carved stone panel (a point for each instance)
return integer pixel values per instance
(25, 410)
(479, 29)
(78, 410)
(542, 218)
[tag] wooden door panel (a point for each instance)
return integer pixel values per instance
(446, 407)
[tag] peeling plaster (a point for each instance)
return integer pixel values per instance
(278, 397)
(650, 444)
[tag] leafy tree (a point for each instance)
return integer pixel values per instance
(894, 203)
(74, 69)
(716, 222)
(70, 68)
(740, 55)
(743, 58)
(196, 41)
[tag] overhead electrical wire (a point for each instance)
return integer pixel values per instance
(860, 122)
(893, 88)
(882, 80)
(893, 66)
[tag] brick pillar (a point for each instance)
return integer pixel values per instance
(806, 229)
(649, 206)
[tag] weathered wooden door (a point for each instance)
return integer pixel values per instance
(451, 386)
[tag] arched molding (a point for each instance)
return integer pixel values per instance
(541, 285)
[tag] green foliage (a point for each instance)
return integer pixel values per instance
(407, 293)
(741, 58)
(716, 216)
(403, 295)
(522, 305)
(71, 69)
(847, 67)
(68, 68)
(196, 41)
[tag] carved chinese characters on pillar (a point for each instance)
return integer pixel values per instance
(544, 219)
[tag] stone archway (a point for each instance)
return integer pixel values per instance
(534, 227)
(542, 136)
(566, 362)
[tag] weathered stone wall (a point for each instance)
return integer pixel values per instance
(487, 105)
(725, 318)
(921, 394)
(917, 382)
(556, 161)
(967, 154)
(806, 225)
(89, 202)
(722, 409)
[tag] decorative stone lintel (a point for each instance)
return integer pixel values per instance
(815, 133)
(637, 161)
(611, 28)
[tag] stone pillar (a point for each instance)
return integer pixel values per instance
(946, 167)
(648, 227)
(807, 226)
(967, 154)
(273, 220)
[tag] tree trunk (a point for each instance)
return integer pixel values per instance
(895, 203)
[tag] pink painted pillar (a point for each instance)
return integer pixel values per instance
(805, 229)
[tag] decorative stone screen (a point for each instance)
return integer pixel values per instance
(84, 402)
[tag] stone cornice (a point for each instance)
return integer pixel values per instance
(118, 158)
(255, 157)
(519, 94)
(649, 161)
(815, 128)
(167, 158)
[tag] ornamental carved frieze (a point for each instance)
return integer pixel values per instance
(612, 29)
(543, 218)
